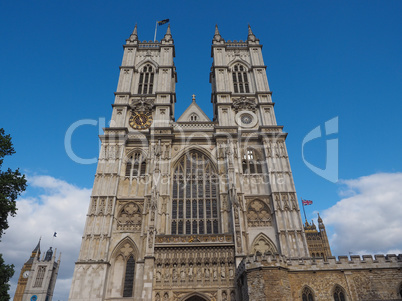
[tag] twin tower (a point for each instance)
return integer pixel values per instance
(177, 205)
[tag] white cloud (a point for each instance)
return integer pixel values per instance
(368, 220)
(59, 206)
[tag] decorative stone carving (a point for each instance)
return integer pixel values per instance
(262, 244)
(244, 104)
(258, 214)
(142, 105)
(129, 218)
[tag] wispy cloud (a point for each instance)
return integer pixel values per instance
(56, 206)
(368, 220)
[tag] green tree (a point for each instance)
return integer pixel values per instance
(12, 183)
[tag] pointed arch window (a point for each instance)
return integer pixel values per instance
(146, 81)
(195, 208)
(129, 277)
(307, 294)
(240, 80)
(339, 294)
(252, 162)
(136, 165)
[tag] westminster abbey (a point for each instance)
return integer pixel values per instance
(196, 209)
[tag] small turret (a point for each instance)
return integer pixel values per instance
(320, 223)
(133, 39)
(168, 35)
(217, 36)
(251, 37)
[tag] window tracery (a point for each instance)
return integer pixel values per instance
(339, 294)
(146, 81)
(307, 294)
(258, 214)
(136, 165)
(129, 218)
(240, 80)
(194, 196)
(251, 162)
(129, 277)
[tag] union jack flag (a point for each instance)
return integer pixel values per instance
(307, 202)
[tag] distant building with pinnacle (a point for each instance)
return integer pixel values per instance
(194, 209)
(317, 241)
(38, 276)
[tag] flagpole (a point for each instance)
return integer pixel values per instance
(156, 26)
(304, 210)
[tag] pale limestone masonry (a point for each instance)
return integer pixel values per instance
(176, 206)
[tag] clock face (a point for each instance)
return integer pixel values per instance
(140, 121)
(25, 274)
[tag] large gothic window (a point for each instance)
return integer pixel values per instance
(307, 294)
(252, 162)
(240, 81)
(339, 294)
(194, 196)
(129, 277)
(136, 165)
(146, 82)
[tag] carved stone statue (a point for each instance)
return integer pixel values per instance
(215, 273)
(199, 272)
(174, 272)
(207, 273)
(190, 272)
(224, 296)
(223, 271)
(183, 273)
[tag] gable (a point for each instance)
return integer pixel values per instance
(193, 110)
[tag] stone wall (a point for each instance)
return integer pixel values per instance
(274, 277)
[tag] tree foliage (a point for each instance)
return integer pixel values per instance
(6, 272)
(12, 183)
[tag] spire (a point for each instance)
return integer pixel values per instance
(37, 248)
(35, 253)
(319, 218)
(134, 35)
(217, 35)
(320, 223)
(168, 34)
(251, 37)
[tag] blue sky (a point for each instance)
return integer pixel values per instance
(59, 64)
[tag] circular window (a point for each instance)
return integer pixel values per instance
(246, 119)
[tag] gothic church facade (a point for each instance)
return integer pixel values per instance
(192, 209)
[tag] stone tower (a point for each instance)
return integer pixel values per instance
(317, 241)
(176, 205)
(38, 277)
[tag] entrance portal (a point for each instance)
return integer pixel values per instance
(195, 298)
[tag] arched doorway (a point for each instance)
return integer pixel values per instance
(195, 298)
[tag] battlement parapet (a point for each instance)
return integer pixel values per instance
(354, 262)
